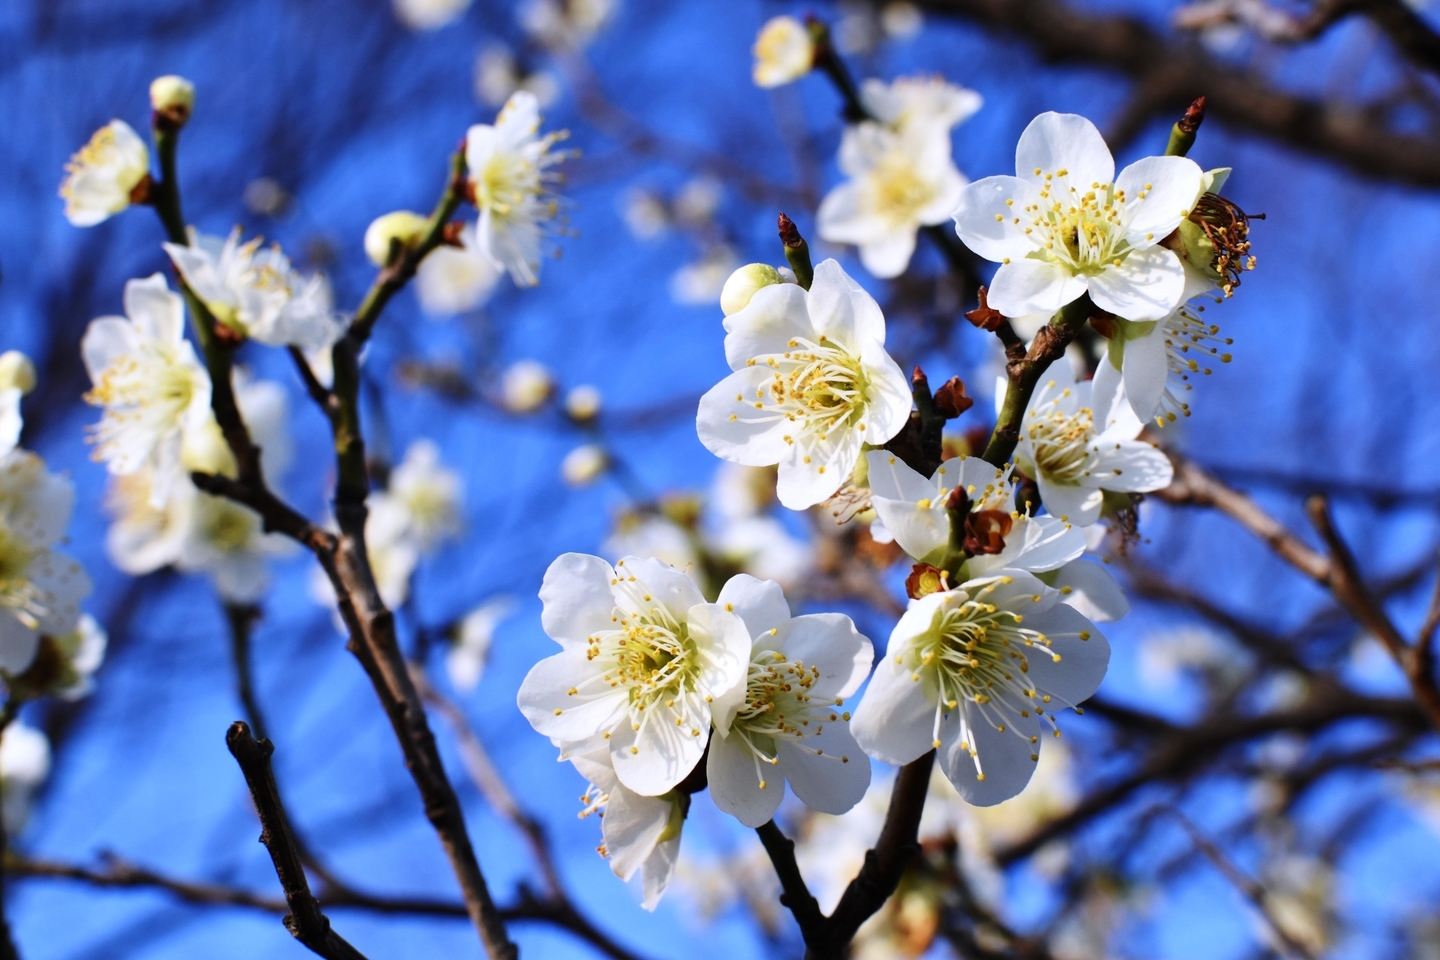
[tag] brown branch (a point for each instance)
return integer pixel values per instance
(796, 895)
(305, 921)
(1023, 369)
(1425, 638)
(1060, 33)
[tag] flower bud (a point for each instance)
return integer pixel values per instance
(402, 225)
(584, 465)
(16, 370)
(173, 98)
(525, 386)
(784, 51)
(736, 294)
(583, 403)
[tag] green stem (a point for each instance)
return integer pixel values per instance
(1024, 370)
(167, 191)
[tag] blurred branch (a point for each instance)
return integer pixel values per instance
(1175, 72)
(305, 921)
(7, 940)
(1252, 890)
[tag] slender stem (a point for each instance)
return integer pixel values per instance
(166, 193)
(796, 894)
(305, 921)
(1023, 373)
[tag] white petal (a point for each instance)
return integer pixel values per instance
(832, 781)
(1069, 501)
(802, 485)
(1091, 590)
(664, 584)
(842, 310)
(759, 603)
(1147, 285)
(1027, 285)
(155, 311)
(658, 756)
(922, 531)
(18, 643)
(890, 398)
(1146, 371)
(775, 314)
(840, 218)
(1064, 141)
(755, 438)
(888, 255)
(1173, 187)
(831, 642)
(632, 826)
(981, 203)
(1082, 662)
(659, 868)
(546, 701)
(105, 340)
(894, 719)
(894, 479)
(576, 599)
(735, 781)
(1004, 757)
(1140, 466)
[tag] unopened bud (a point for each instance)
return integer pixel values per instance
(736, 294)
(583, 403)
(16, 370)
(784, 52)
(526, 386)
(584, 465)
(404, 226)
(173, 98)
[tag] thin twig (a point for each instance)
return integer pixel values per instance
(305, 921)
(796, 895)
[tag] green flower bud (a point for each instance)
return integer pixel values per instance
(16, 370)
(173, 98)
(402, 225)
(743, 283)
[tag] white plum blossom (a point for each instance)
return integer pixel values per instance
(465, 660)
(430, 494)
(1066, 225)
(640, 832)
(565, 24)
(912, 510)
(790, 726)
(812, 384)
(146, 376)
(11, 422)
(784, 52)
(526, 386)
(972, 672)
(1076, 450)
(645, 663)
(509, 170)
(24, 765)
(40, 588)
(453, 280)
(584, 465)
(429, 14)
(703, 281)
(654, 535)
(101, 178)
(919, 106)
(255, 291)
(64, 665)
(897, 183)
(498, 74)
(761, 545)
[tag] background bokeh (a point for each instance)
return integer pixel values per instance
(349, 113)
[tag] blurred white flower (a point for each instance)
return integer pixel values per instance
(919, 107)
(466, 658)
(40, 588)
(498, 75)
(267, 197)
(713, 885)
(784, 52)
(1167, 656)
(652, 535)
(65, 665)
(11, 423)
(256, 292)
(739, 491)
(146, 376)
(645, 214)
(700, 282)
(393, 553)
(696, 202)
(453, 280)
(901, 19)
(101, 178)
(526, 386)
(640, 832)
(1077, 449)
(429, 14)
(565, 24)
(1065, 225)
(789, 724)
(812, 384)
(24, 765)
(508, 164)
(582, 403)
(430, 494)
(645, 663)
(17, 371)
(584, 464)
(762, 546)
(948, 682)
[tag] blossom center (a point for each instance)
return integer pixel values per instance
(895, 191)
(507, 181)
(17, 593)
(778, 707)
(1083, 229)
(1061, 442)
(820, 387)
(227, 526)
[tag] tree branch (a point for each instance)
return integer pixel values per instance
(305, 921)
(796, 895)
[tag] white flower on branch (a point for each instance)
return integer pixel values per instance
(509, 170)
(1065, 225)
(1076, 450)
(1152, 364)
(430, 494)
(565, 24)
(784, 52)
(40, 588)
(640, 832)
(498, 74)
(465, 661)
(24, 765)
(919, 107)
(972, 672)
(146, 376)
(429, 14)
(812, 383)
(645, 661)
(791, 725)
(453, 280)
(100, 179)
(17, 378)
(256, 293)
